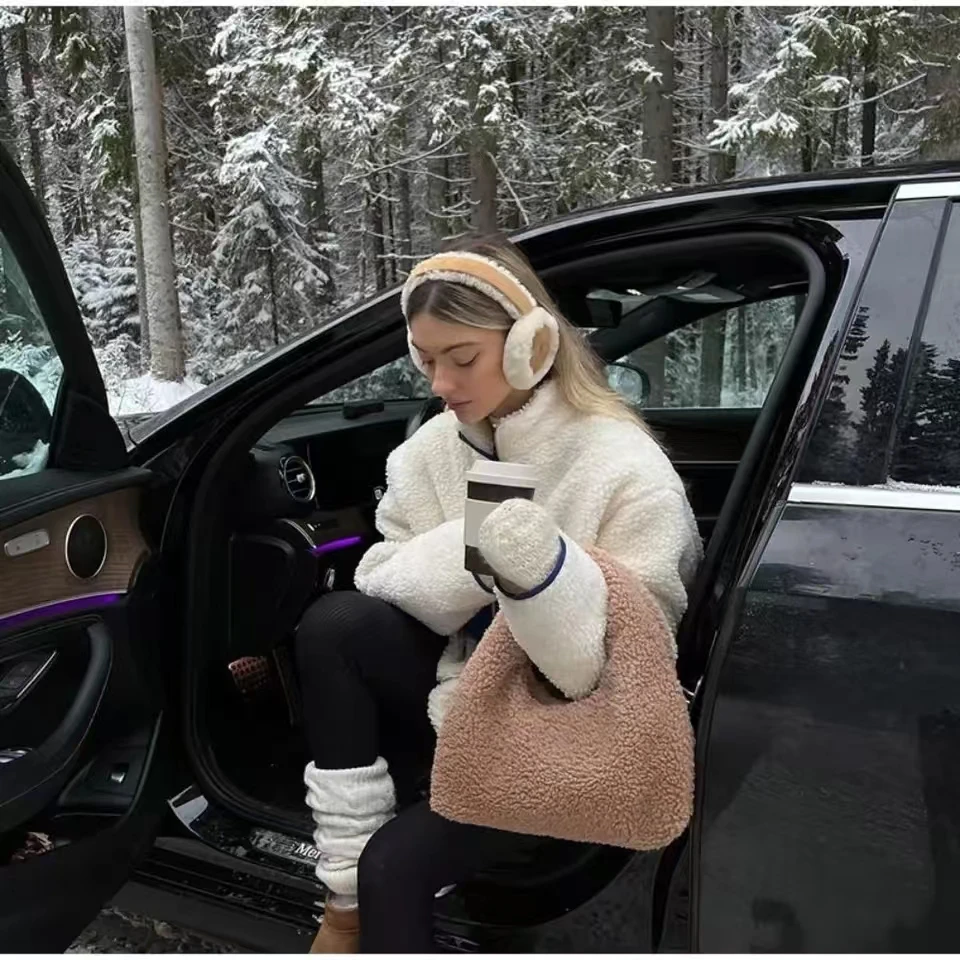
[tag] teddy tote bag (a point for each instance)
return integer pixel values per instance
(616, 767)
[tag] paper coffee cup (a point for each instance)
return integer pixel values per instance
(489, 483)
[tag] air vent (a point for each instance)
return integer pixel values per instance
(297, 479)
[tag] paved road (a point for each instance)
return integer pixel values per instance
(115, 931)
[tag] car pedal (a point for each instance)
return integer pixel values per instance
(252, 676)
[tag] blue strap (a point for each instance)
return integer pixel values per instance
(554, 573)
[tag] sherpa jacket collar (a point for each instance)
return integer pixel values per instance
(530, 434)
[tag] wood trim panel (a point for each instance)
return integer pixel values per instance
(42, 577)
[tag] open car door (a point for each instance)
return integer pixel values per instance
(83, 748)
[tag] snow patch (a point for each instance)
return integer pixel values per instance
(147, 394)
(921, 487)
(894, 485)
(33, 461)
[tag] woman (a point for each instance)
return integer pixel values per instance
(379, 667)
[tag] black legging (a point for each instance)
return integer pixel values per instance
(366, 669)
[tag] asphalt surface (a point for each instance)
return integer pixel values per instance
(116, 931)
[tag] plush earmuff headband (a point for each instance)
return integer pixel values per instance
(490, 278)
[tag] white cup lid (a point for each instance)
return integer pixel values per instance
(503, 472)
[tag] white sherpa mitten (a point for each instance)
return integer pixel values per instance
(521, 541)
(551, 592)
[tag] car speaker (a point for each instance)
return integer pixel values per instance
(86, 547)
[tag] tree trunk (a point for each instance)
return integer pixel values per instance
(163, 308)
(807, 151)
(711, 360)
(438, 174)
(141, 289)
(316, 195)
(375, 234)
(681, 150)
(741, 354)
(406, 222)
(318, 230)
(272, 281)
(721, 167)
(33, 114)
(405, 206)
(868, 140)
(658, 107)
(941, 140)
(392, 228)
(8, 124)
(483, 186)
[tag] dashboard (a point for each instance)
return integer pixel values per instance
(301, 514)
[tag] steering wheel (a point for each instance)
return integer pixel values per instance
(429, 408)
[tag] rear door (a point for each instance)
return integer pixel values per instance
(83, 746)
(828, 804)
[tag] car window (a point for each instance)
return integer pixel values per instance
(927, 447)
(30, 374)
(397, 380)
(728, 359)
(851, 442)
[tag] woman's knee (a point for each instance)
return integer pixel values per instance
(333, 623)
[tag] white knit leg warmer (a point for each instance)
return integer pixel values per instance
(348, 806)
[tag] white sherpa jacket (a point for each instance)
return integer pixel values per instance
(604, 481)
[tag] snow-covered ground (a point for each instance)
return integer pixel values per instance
(146, 394)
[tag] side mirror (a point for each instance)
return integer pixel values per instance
(629, 381)
(24, 420)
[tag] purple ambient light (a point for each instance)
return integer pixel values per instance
(61, 608)
(321, 548)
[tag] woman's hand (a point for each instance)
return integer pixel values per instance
(521, 542)
(551, 592)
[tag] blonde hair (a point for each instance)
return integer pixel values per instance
(577, 370)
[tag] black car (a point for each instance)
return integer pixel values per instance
(795, 344)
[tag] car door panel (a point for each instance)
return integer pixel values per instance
(826, 802)
(39, 576)
(829, 798)
(84, 636)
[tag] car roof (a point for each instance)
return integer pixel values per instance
(855, 185)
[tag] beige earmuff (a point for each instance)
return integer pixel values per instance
(529, 318)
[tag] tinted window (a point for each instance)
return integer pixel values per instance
(852, 440)
(30, 373)
(927, 450)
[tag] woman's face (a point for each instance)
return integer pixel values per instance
(465, 367)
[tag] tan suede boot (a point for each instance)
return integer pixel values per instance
(339, 931)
